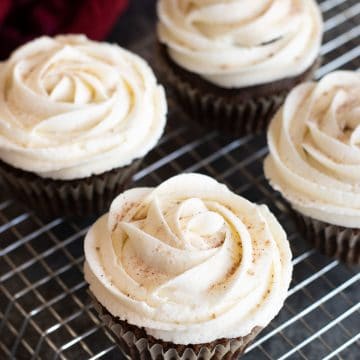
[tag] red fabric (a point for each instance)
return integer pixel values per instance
(22, 20)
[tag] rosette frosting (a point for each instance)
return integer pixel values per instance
(71, 107)
(189, 261)
(240, 43)
(314, 143)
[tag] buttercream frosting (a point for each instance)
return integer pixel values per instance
(314, 143)
(189, 261)
(71, 107)
(252, 42)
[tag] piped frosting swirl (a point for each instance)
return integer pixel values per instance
(252, 42)
(189, 261)
(314, 143)
(71, 107)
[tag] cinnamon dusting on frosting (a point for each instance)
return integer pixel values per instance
(71, 107)
(191, 270)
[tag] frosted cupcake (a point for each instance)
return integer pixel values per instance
(314, 161)
(75, 118)
(187, 269)
(231, 63)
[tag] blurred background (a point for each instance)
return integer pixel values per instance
(23, 20)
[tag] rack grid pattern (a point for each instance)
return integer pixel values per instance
(45, 311)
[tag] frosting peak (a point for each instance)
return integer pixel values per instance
(251, 43)
(71, 107)
(189, 261)
(314, 143)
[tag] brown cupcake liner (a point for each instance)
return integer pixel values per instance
(80, 197)
(251, 117)
(134, 343)
(238, 112)
(332, 240)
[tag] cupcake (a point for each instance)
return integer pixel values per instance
(232, 72)
(314, 161)
(76, 117)
(186, 270)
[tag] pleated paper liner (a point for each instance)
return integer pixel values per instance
(81, 197)
(136, 344)
(332, 240)
(237, 112)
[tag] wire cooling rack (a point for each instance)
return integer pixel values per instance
(45, 311)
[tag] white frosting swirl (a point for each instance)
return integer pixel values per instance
(252, 42)
(71, 107)
(314, 143)
(189, 261)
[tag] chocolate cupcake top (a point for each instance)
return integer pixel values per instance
(189, 261)
(71, 107)
(241, 43)
(314, 143)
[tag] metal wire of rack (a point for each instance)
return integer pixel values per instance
(45, 311)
